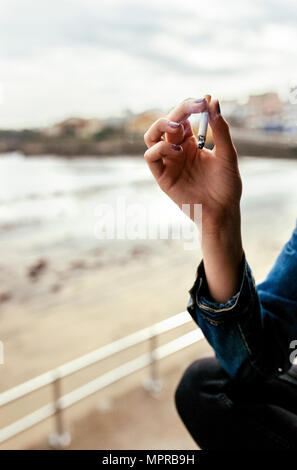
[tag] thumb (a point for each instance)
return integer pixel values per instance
(220, 129)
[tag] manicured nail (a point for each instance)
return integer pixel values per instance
(199, 105)
(176, 147)
(218, 108)
(173, 124)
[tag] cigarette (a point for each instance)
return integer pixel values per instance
(203, 123)
(202, 129)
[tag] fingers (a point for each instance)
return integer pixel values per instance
(176, 125)
(155, 154)
(158, 128)
(220, 129)
(184, 110)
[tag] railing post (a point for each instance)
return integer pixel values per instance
(153, 383)
(59, 439)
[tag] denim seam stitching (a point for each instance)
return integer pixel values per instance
(252, 363)
(243, 339)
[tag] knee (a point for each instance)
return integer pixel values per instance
(191, 384)
(181, 395)
(194, 381)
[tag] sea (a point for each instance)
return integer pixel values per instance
(50, 204)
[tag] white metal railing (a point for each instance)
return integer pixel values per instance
(61, 438)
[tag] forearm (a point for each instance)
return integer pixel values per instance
(224, 301)
(252, 331)
(222, 254)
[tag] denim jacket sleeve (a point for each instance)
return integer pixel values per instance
(252, 332)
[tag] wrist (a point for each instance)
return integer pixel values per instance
(222, 222)
(222, 235)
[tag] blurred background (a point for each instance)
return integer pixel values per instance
(80, 83)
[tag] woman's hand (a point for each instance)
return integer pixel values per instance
(189, 175)
(208, 177)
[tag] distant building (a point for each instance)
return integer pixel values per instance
(139, 123)
(264, 111)
(76, 127)
(268, 104)
(234, 112)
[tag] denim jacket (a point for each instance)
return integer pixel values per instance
(251, 334)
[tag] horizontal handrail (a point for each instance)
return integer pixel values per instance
(54, 376)
(91, 358)
(99, 383)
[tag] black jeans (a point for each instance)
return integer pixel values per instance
(223, 415)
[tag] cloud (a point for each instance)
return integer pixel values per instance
(117, 49)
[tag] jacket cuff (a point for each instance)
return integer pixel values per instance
(216, 312)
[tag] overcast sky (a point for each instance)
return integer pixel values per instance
(96, 58)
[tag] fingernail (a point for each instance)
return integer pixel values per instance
(174, 124)
(199, 105)
(216, 113)
(176, 147)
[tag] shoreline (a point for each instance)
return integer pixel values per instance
(248, 142)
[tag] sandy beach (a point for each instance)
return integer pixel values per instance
(64, 294)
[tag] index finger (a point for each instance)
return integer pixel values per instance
(184, 110)
(158, 128)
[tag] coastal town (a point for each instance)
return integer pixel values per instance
(263, 121)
